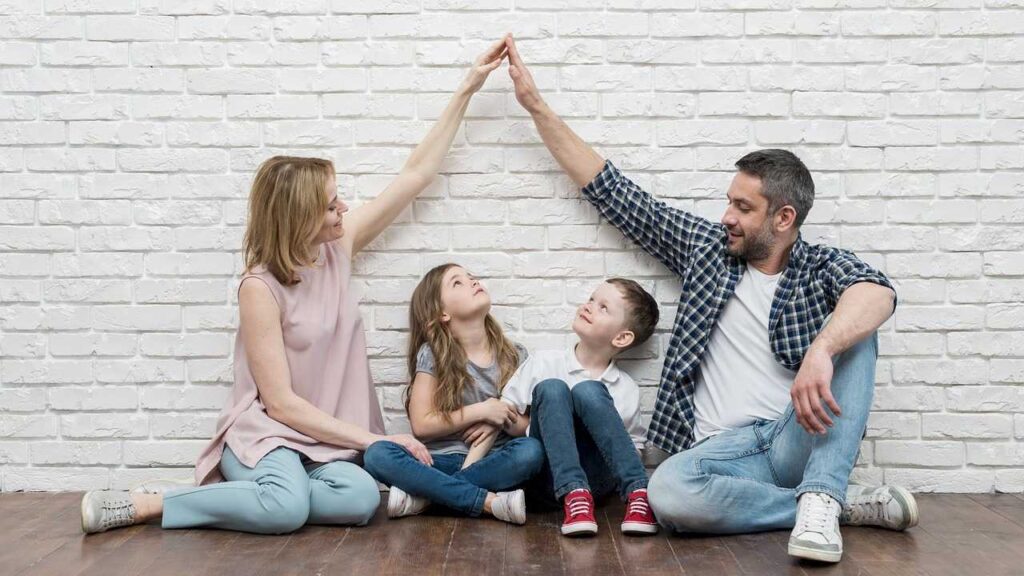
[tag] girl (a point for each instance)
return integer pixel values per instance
(459, 360)
(302, 406)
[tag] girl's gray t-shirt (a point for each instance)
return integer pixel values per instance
(485, 385)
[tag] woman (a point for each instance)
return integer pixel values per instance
(302, 407)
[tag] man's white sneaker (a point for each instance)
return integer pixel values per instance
(816, 534)
(891, 507)
(401, 503)
(510, 507)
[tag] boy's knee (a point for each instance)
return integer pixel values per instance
(549, 390)
(589, 395)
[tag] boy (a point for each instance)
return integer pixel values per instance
(586, 411)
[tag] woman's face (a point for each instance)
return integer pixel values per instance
(462, 295)
(332, 228)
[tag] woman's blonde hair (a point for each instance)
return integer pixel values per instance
(426, 327)
(286, 209)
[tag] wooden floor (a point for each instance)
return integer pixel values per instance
(976, 535)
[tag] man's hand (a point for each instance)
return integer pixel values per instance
(813, 384)
(526, 90)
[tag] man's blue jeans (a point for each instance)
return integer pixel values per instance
(446, 483)
(585, 441)
(749, 479)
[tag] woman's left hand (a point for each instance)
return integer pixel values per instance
(484, 65)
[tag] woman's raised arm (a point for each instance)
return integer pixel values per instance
(364, 223)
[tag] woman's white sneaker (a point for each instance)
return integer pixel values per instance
(891, 507)
(106, 509)
(816, 534)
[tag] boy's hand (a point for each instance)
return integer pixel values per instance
(498, 413)
(478, 433)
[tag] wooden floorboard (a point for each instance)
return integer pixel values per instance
(977, 535)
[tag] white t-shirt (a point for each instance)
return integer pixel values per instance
(739, 381)
(564, 365)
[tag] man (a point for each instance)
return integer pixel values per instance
(762, 403)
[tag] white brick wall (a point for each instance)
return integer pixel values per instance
(129, 130)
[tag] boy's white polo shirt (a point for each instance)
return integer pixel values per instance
(563, 365)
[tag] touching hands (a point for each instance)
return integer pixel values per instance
(479, 433)
(526, 90)
(484, 65)
(498, 413)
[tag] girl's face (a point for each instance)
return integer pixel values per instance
(462, 295)
(332, 228)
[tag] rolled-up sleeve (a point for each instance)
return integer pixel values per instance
(841, 269)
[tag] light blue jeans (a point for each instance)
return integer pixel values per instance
(278, 496)
(749, 479)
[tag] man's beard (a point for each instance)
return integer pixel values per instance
(757, 246)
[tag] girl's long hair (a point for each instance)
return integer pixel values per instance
(450, 360)
(287, 204)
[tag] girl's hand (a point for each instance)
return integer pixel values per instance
(478, 433)
(414, 446)
(484, 65)
(498, 413)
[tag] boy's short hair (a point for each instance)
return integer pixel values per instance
(641, 309)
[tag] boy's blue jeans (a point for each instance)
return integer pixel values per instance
(585, 441)
(446, 483)
(749, 479)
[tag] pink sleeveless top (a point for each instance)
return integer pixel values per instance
(325, 347)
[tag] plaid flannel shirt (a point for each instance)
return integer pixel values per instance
(695, 250)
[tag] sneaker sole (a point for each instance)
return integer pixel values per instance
(394, 505)
(84, 498)
(909, 505)
(639, 528)
(806, 553)
(579, 529)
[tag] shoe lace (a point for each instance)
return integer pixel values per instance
(578, 505)
(638, 506)
(866, 508)
(118, 514)
(815, 514)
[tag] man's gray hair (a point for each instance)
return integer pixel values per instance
(785, 180)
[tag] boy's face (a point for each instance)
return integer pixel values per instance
(602, 318)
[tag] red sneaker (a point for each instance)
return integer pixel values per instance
(579, 514)
(639, 517)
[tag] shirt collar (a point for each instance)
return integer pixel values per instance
(610, 375)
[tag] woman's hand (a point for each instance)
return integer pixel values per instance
(479, 433)
(498, 413)
(484, 65)
(414, 446)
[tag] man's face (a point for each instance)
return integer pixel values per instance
(751, 236)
